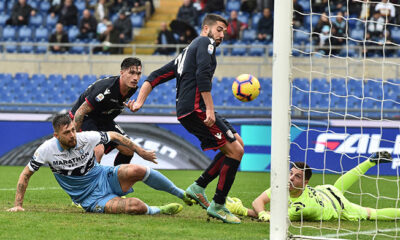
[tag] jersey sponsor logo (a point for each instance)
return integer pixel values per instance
(218, 135)
(210, 49)
(113, 100)
(99, 97)
(355, 143)
(70, 162)
(107, 91)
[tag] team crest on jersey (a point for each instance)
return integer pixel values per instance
(99, 97)
(80, 149)
(210, 48)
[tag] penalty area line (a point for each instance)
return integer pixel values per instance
(32, 189)
(363, 232)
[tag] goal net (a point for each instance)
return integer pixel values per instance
(345, 101)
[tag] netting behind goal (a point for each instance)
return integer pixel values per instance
(345, 103)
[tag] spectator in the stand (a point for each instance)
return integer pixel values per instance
(102, 9)
(59, 36)
(265, 27)
(328, 44)
(124, 26)
(121, 4)
(319, 6)
(140, 6)
(186, 38)
(235, 27)
(55, 6)
(323, 21)
(165, 36)
(354, 7)
(20, 13)
(376, 26)
(109, 36)
(387, 10)
(187, 13)
(214, 6)
(338, 6)
(68, 13)
(248, 6)
(387, 44)
(340, 25)
(367, 9)
(298, 18)
(87, 25)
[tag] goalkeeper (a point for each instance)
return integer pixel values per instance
(324, 202)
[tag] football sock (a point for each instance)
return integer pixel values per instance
(352, 176)
(122, 159)
(212, 171)
(226, 178)
(385, 214)
(156, 180)
(151, 210)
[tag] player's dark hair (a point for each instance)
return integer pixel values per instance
(304, 167)
(61, 120)
(212, 19)
(129, 62)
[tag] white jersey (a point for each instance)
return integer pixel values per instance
(76, 161)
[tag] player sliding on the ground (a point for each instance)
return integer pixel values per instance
(324, 202)
(194, 69)
(96, 188)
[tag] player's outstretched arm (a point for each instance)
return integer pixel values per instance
(80, 115)
(259, 207)
(144, 92)
(122, 140)
(21, 189)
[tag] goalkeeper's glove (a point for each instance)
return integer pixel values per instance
(235, 206)
(380, 157)
(264, 216)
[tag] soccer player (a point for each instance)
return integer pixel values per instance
(324, 202)
(103, 101)
(194, 69)
(95, 187)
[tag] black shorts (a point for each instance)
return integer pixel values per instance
(212, 137)
(90, 124)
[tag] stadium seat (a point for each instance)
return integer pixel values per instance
(9, 33)
(41, 33)
(338, 86)
(395, 34)
(10, 5)
(137, 20)
(33, 3)
(249, 35)
(42, 46)
(357, 34)
(374, 89)
(355, 87)
(2, 6)
(73, 33)
(301, 83)
(243, 17)
(80, 5)
(239, 49)
(26, 46)
(254, 20)
(44, 6)
(72, 80)
(3, 18)
(256, 50)
(320, 85)
(301, 36)
(51, 22)
(78, 49)
(233, 5)
(36, 20)
(24, 33)
(11, 46)
(305, 5)
(311, 19)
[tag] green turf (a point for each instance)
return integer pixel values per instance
(49, 214)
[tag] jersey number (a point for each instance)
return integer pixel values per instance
(180, 60)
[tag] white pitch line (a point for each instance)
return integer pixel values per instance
(363, 232)
(32, 189)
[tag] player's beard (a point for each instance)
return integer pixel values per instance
(69, 143)
(217, 41)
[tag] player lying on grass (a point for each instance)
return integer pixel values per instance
(96, 188)
(324, 202)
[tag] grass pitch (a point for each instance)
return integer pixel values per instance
(48, 212)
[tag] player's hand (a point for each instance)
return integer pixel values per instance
(210, 118)
(16, 209)
(148, 155)
(264, 216)
(133, 106)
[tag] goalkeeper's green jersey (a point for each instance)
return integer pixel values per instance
(320, 203)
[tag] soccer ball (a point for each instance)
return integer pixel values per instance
(246, 87)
